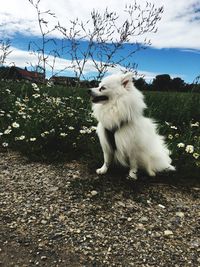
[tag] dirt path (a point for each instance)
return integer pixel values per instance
(63, 215)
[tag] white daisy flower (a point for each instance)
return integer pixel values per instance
(35, 87)
(196, 155)
(71, 128)
(32, 139)
(170, 136)
(180, 145)
(5, 144)
(15, 125)
(173, 127)
(22, 137)
(189, 149)
(7, 131)
(63, 134)
(36, 95)
(196, 124)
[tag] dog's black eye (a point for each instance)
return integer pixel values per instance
(102, 88)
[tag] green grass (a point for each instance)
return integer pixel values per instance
(55, 123)
(177, 108)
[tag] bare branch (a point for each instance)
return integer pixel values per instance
(4, 50)
(40, 50)
(106, 37)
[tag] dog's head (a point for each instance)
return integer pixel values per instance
(111, 87)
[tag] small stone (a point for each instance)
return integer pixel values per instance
(121, 204)
(195, 243)
(43, 257)
(157, 234)
(161, 206)
(129, 219)
(168, 233)
(140, 226)
(53, 188)
(196, 188)
(180, 214)
(43, 222)
(93, 193)
(144, 219)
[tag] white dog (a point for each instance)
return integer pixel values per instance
(124, 133)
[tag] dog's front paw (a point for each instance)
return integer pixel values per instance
(151, 173)
(132, 175)
(102, 170)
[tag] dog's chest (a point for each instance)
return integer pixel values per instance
(110, 117)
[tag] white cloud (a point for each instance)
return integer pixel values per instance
(23, 58)
(194, 51)
(179, 27)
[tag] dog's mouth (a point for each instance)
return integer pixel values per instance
(96, 99)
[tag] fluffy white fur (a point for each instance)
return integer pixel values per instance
(137, 141)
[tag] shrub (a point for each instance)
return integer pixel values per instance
(53, 123)
(44, 126)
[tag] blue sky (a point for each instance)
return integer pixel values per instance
(175, 47)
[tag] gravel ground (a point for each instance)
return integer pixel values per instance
(65, 215)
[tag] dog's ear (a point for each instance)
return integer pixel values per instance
(127, 78)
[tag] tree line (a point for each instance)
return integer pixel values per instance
(164, 82)
(161, 82)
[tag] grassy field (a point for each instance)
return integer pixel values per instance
(55, 123)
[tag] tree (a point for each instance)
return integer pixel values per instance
(177, 84)
(162, 82)
(141, 84)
